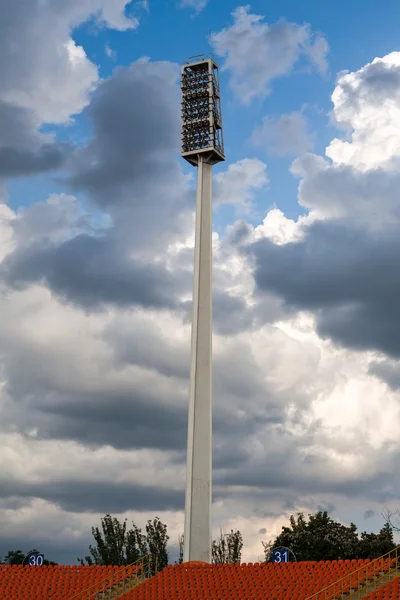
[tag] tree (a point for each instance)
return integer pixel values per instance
(322, 538)
(227, 548)
(268, 547)
(319, 538)
(14, 557)
(181, 542)
(392, 519)
(115, 545)
(157, 543)
(136, 545)
(374, 545)
(110, 546)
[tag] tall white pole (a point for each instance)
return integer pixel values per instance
(202, 147)
(197, 545)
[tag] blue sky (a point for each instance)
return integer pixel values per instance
(356, 32)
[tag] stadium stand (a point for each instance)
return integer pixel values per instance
(388, 591)
(61, 582)
(294, 581)
(324, 580)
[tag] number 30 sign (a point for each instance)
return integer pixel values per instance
(36, 560)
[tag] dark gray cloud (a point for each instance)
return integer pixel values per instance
(144, 343)
(144, 418)
(50, 394)
(350, 279)
(140, 419)
(135, 118)
(230, 313)
(23, 150)
(125, 422)
(369, 198)
(91, 272)
(129, 169)
(289, 471)
(16, 162)
(388, 371)
(96, 496)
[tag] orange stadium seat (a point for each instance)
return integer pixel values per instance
(49, 582)
(389, 591)
(192, 581)
(296, 581)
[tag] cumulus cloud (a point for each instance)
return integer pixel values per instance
(286, 135)
(366, 105)
(349, 277)
(129, 172)
(23, 150)
(135, 117)
(343, 265)
(47, 78)
(238, 184)
(49, 74)
(256, 53)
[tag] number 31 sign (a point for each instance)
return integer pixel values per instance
(280, 556)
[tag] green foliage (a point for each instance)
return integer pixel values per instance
(157, 542)
(136, 545)
(374, 545)
(115, 545)
(322, 538)
(110, 542)
(227, 548)
(15, 557)
(181, 542)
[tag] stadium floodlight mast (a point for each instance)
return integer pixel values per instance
(202, 147)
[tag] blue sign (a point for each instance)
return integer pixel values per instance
(280, 556)
(36, 560)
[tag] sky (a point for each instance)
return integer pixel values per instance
(96, 265)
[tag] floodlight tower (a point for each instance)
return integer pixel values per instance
(202, 147)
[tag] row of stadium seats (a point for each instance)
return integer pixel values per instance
(192, 581)
(253, 581)
(54, 582)
(388, 591)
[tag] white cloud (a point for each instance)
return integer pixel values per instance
(49, 74)
(285, 135)
(6, 233)
(257, 52)
(113, 13)
(109, 51)
(281, 230)
(366, 104)
(197, 5)
(69, 354)
(239, 183)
